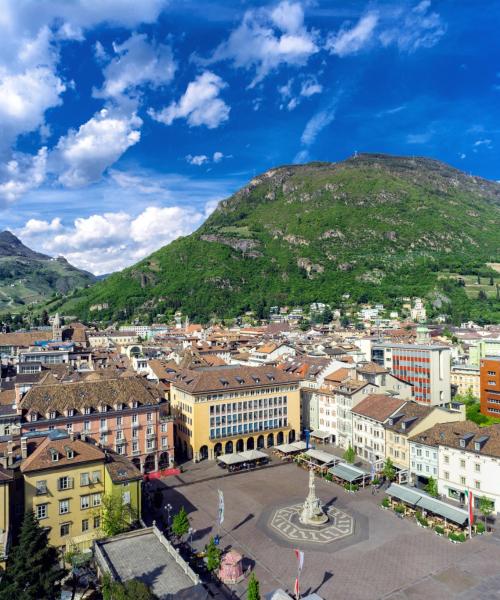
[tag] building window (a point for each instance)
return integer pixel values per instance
(446, 475)
(462, 463)
(462, 480)
(96, 499)
(96, 476)
(64, 529)
(85, 525)
(477, 468)
(446, 459)
(97, 522)
(84, 479)
(135, 446)
(86, 426)
(163, 427)
(63, 507)
(164, 442)
(42, 511)
(84, 502)
(65, 483)
(477, 485)
(149, 417)
(135, 419)
(41, 487)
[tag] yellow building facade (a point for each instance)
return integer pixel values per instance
(65, 484)
(225, 410)
(5, 516)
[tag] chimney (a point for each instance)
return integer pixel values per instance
(24, 447)
(10, 453)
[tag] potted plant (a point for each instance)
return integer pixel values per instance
(400, 509)
(439, 530)
(385, 504)
(421, 520)
(456, 538)
(480, 528)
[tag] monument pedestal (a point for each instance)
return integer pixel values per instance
(312, 512)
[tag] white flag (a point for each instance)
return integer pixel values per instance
(221, 507)
(300, 559)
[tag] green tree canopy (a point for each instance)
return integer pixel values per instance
(180, 523)
(253, 590)
(485, 507)
(116, 516)
(432, 488)
(130, 590)
(213, 555)
(389, 470)
(32, 570)
(349, 455)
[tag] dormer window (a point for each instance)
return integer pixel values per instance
(462, 443)
(87, 410)
(69, 452)
(71, 412)
(33, 417)
(104, 408)
(134, 404)
(403, 426)
(52, 414)
(477, 446)
(54, 455)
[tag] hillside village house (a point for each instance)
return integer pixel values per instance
(221, 410)
(124, 414)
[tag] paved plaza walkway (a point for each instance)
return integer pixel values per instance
(386, 557)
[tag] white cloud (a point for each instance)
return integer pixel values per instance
(106, 242)
(316, 124)
(418, 138)
(198, 160)
(21, 174)
(268, 38)
(137, 63)
(97, 144)
(413, 29)
(217, 157)
(200, 104)
(409, 28)
(310, 87)
(34, 226)
(351, 40)
(484, 142)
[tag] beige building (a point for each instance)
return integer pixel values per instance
(221, 410)
(466, 378)
(411, 420)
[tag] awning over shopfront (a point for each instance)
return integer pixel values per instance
(347, 472)
(320, 435)
(425, 502)
(321, 456)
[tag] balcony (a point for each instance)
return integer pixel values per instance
(136, 425)
(120, 442)
(151, 436)
(103, 429)
(136, 452)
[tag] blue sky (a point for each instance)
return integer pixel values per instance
(122, 123)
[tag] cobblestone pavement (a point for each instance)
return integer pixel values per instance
(386, 557)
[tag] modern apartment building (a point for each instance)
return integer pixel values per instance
(466, 379)
(425, 366)
(221, 410)
(490, 386)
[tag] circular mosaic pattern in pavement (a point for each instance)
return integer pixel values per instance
(285, 521)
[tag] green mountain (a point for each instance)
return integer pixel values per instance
(28, 277)
(375, 226)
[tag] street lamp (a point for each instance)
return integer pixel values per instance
(168, 508)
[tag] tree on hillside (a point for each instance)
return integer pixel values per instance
(45, 318)
(213, 555)
(32, 570)
(116, 516)
(180, 523)
(253, 590)
(389, 470)
(431, 488)
(349, 455)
